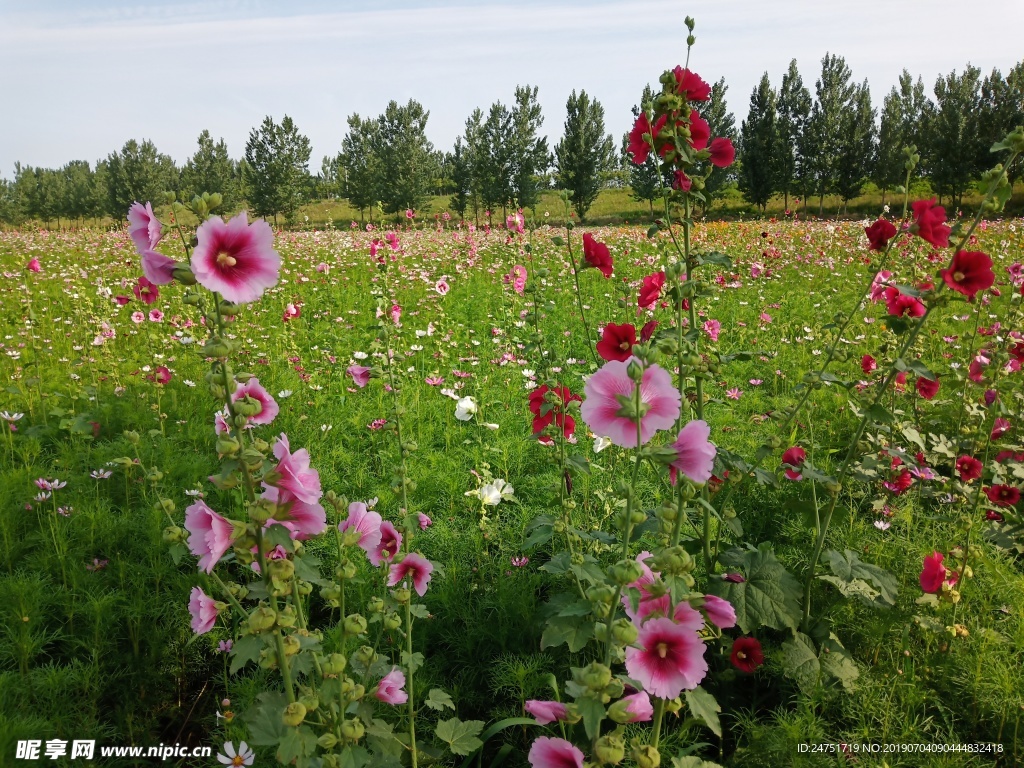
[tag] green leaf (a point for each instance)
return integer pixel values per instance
(264, 720)
(558, 564)
(691, 761)
(439, 700)
(922, 370)
(800, 662)
(705, 708)
(593, 713)
(244, 650)
(558, 240)
(848, 567)
(770, 596)
(880, 414)
(412, 662)
(574, 631)
(353, 757)
(501, 725)
(461, 737)
(298, 743)
(837, 663)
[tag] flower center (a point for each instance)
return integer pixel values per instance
(237, 760)
(625, 346)
(226, 260)
(958, 276)
(741, 655)
(662, 649)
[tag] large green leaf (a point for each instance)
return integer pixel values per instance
(770, 596)
(574, 631)
(460, 736)
(800, 662)
(705, 708)
(848, 567)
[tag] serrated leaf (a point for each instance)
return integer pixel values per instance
(705, 708)
(837, 663)
(879, 414)
(592, 711)
(244, 650)
(439, 700)
(574, 631)
(460, 736)
(264, 720)
(298, 743)
(800, 662)
(848, 566)
(558, 564)
(353, 757)
(770, 596)
(857, 588)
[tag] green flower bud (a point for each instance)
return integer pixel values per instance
(402, 596)
(375, 605)
(601, 593)
(227, 445)
(282, 569)
(626, 572)
(291, 645)
(327, 741)
(392, 620)
(173, 534)
(293, 714)
(624, 632)
(286, 616)
(310, 702)
(619, 712)
(646, 756)
(609, 749)
(131, 436)
(333, 664)
(354, 624)
(262, 619)
(634, 370)
(165, 505)
(595, 676)
(353, 729)
(365, 655)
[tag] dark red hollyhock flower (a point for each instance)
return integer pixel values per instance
(639, 148)
(969, 468)
(723, 153)
(927, 389)
(868, 364)
(617, 342)
(930, 223)
(556, 413)
(933, 573)
(901, 305)
(879, 234)
(1017, 352)
(650, 291)
(746, 654)
(690, 85)
(681, 181)
(1003, 495)
(700, 131)
(994, 516)
(596, 255)
(795, 457)
(648, 330)
(970, 272)
(900, 483)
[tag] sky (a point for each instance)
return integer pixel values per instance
(81, 77)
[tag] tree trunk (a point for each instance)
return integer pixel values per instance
(785, 200)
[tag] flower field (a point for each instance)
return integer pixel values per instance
(468, 520)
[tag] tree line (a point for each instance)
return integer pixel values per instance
(793, 143)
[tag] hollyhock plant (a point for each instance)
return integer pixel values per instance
(295, 475)
(268, 405)
(236, 259)
(305, 520)
(868, 364)
(700, 131)
(1000, 427)
(638, 707)
(415, 566)
(33, 265)
(669, 659)
(157, 268)
(549, 752)
(969, 273)
(719, 612)
(617, 342)
(390, 543)
(934, 574)
(547, 712)
(389, 689)
(143, 227)
(746, 654)
(879, 234)
(723, 153)
(597, 255)
(554, 412)
(210, 535)
(603, 412)
(794, 458)
(695, 454)
(360, 375)
(969, 468)
(879, 286)
(690, 85)
(927, 388)
(204, 611)
(681, 181)
(639, 147)
(930, 223)
(366, 523)
(901, 305)
(145, 291)
(1003, 495)
(651, 289)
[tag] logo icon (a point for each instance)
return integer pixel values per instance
(244, 756)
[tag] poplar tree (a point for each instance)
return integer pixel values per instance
(794, 115)
(359, 166)
(834, 93)
(530, 155)
(585, 152)
(211, 169)
(277, 168)
(857, 145)
(903, 114)
(953, 140)
(759, 146)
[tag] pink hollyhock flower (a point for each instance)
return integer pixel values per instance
(296, 476)
(651, 289)
(424, 521)
(690, 85)
(1000, 427)
(360, 374)
(930, 223)
(415, 566)
(157, 268)
(723, 153)
(719, 612)
(269, 407)
(156, 316)
(640, 147)
(794, 457)
(602, 409)
(970, 272)
(712, 328)
(442, 287)
(746, 654)
(210, 535)
(33, 265)
(204, 611)
(695, 454)
(389, 690)
(670, 658)
(220, 423)
(138, 317)
(927, 388)
(700, 131)
(143, 227)
(396, 313)
(390, 543)
(639, 707)
(617, 342)
(367, 523)
(901, 305)
(162, 375)
(304, 520)
(879, 284)
(933, 573)
(596, 255)
(145, 291)
(549, 752)
(236, 259)
(515, 222)
(547, 711)
(291, 312)
(879, 234)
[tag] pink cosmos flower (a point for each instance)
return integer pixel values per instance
(547, 711)
(157, 268)
(549, 752)
(33, 265)
(210, 535)
(712, 328)
(269, 407)
(442, 287)
(719, 612)
(390, 543)
(670, 658)
(602, 409)
(416, 566)
(389, 690)
(303, 520)
(236, 259)
(695, 455)
(366, 522)
(138, 317)
(156, 316)
(143, 227)
(296, 476)
(360, 375)
(204, 611)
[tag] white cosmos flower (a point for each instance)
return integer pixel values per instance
(465, 409)
(244, 756)
(601, 443)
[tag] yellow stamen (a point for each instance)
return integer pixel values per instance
(662, 649)
(226, 260)
(958, 276)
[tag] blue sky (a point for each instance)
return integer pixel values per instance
(93, 74)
